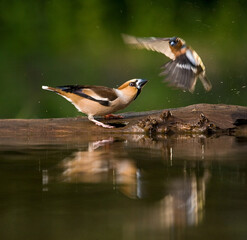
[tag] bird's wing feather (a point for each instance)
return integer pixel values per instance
(100, 94)
(181, 73)
(151, 43)
(104, 92)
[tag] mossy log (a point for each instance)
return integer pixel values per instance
(194, 119)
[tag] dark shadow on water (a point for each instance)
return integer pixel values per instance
(118, 124)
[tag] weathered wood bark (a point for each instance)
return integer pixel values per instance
(199, 118)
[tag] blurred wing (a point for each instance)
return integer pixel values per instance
(155, 44)
(181, 73)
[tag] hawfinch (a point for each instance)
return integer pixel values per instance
(99, 100)
(186, 66)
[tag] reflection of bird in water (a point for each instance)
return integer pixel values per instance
(126, 178)
(186, 65)
(173, 200)
(182, 205)
(177, 201)
(187, 199)
(90, 165)
(99, 164)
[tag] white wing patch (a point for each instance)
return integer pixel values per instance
(187, 67)
(191, 58)
(94, 95)
(184, 66)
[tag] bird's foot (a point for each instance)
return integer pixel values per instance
(113, 116)
(98, 123)
(103, 125)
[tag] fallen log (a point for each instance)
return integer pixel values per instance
(193, 119)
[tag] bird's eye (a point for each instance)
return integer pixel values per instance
(132, 84)
(173, 41)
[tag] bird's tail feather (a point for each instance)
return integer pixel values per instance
(206, 83)
(58, 91)
(52, 89)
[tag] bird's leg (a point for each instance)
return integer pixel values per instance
(91, 118)
(113, 116)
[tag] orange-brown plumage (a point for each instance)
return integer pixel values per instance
(100, 100)
(186, 65)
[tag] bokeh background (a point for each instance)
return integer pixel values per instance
(60, 42)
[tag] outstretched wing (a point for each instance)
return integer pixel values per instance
(182, 73)
(151, 43)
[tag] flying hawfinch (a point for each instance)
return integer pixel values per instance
(99, 100)
(186, 66)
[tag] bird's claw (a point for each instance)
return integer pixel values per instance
(104, 125)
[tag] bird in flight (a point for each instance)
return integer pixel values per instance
(100, 100)
(185, 66)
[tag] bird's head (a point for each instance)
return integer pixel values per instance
(176, 43)
(132, 88)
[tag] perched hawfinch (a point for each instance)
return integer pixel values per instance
(99, 100)
(186, 66)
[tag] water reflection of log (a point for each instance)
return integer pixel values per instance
(179, 200)
(190, 147)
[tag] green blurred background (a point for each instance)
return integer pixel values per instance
(60, 42)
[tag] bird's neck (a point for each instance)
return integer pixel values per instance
(125, 96)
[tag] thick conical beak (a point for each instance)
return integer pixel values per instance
(140, 83)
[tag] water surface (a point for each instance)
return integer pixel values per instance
(127, 187)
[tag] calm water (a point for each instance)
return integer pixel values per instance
(128, 187)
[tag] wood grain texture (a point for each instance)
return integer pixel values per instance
(193, 119)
